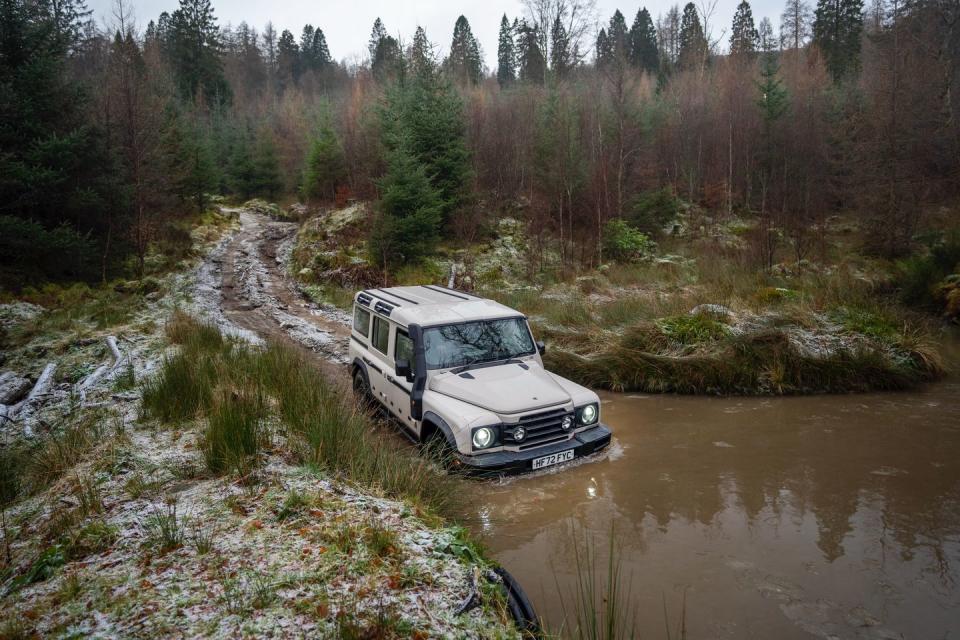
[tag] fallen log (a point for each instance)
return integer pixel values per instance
(104, 369)
(40, 389)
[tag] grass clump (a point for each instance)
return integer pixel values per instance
(693, 329)
(238, 389)
(165, 528)
(234, 434)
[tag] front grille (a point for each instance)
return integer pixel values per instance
(542, 428)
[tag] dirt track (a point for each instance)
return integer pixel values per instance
(257, 294)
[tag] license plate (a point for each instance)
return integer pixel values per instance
(552, 459)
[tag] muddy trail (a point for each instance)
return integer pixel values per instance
(259, 297)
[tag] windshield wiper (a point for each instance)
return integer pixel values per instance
(477, 362)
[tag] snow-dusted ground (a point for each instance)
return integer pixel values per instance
(269, 571)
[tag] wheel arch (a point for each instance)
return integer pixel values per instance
(432, 424)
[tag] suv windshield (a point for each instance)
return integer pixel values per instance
(456, 345)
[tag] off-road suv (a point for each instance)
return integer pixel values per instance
(466, 371)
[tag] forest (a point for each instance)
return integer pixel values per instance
(114, 136)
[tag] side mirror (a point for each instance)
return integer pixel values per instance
(541, 347)
(402, 368)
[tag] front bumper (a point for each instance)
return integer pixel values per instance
(503, 462)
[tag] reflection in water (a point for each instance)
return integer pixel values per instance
(788, 518)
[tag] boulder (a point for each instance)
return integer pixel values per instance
(13, 387)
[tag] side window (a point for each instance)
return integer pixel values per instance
(403, 349)
(381, 334)
(361, 321)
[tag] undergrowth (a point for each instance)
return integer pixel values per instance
(236, 389)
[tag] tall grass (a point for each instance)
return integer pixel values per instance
(599, 607)
(236, 389)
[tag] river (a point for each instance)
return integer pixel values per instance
(804, 517)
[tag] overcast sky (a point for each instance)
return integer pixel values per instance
(347, 24)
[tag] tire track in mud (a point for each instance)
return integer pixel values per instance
(257, 295)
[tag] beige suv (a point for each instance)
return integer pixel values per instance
(466, 370)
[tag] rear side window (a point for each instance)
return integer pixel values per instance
(361, 321)
(381, 334)
(403, 349)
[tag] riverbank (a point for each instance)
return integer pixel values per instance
(152, 517)
(691, 315)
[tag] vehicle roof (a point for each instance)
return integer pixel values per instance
(430, 305)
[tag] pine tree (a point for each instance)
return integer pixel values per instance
(422, 58)
(190, 162)
(692, 41)
(325, 167)
(195, 46)
(604, 51)
(266, 167)
(618, 37)
(386, 59)
(560, 55)
(531, 61)
(410, 212)
(795, 24)
(643, 43)
(288, 60)
(465, 62)
(837, 27)
(506, 55)
(321, 52)
(744, 38)
(52, 167)
(241, 174)
(307, 60)
(377, 35)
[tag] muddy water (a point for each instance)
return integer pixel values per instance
(826, 517)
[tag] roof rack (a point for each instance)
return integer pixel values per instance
(450, 292)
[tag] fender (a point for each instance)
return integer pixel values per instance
(442, 425)
(420, 380)
(358, 363)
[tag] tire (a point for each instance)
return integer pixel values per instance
(361, 390)
(440, 451)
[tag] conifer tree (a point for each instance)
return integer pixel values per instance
(643, 43)
(195, 48)
(465, 62)
(407, 227)
(288, 60)
(618, 38)
(531, 61)
(266, 167)
(325, 168)
(321, 52)
(422, 58)
(560, 55)
(693, 42)
(506, 54)
(386, 59)
(744, 38)
(837, 27)
(604, 51)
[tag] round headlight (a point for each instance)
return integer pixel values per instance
(482, 438)
(519, 434)
(567, 422)
(589, 414)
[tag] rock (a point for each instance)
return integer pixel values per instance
(711, 309)
(13, 387)
(306, 272)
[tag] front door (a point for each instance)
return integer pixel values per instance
(399, 388)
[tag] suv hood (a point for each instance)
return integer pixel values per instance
(504, 388)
